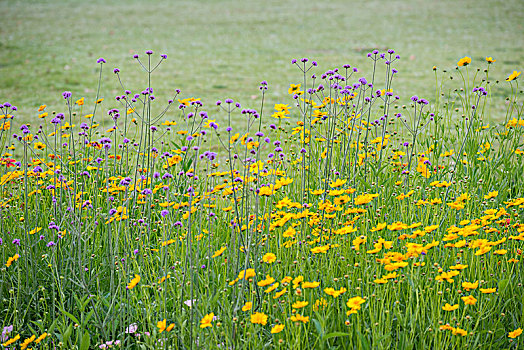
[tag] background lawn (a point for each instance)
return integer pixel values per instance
(220, 49)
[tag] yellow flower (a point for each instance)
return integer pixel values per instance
(449, 307)
(219, 252)
(272, 288)
(11, 260)
(338, 183)
(335, 293)
(11, 341)
(513, 76)
(295, 89)
(468, 285)
(355, 302)
(170, 327)
(310, 284)
(206, 320)
(269, 258)
(266, 282)
(297, 281)
(299, 318)
(515, 333)
(469, 300)
(491, 195)
(39, 145)
(464, 61)
(277, 328)
(80, 101)
(459, 331)
(40, 338)
(379, 227)
(280, 107)
(299, 304)
(133, 282)
(247, 306)
(365, 198)
(259, 318)
(26, 342)
(41, 108)
(161, 325)
(488, 290)
(490, 60)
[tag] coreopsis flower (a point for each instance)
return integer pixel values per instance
(299, 304)
(161, 325)
(11, 260)
(277, 328)
(259, 318)
(449, 307)
(365, 198)
(310, 284)
(269, 258)
(335, 293)
(266, 282)
(11, 341)
(40, 338)
(354, 304)
(133, 282)
(206, 320)
(247, 306)
(469, 300)
(488, 290)
(515, 333)
(219, 252)
(464, 61)
(490, 60)
(513, 76)
(26, 342)
(469, 286)
(459, 331)
(299, 318)
(294, 89)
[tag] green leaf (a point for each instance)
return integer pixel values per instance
(86, 341)
(334, 335)
(73, 318)
(67, 334)
(318, 327)
(363, 341)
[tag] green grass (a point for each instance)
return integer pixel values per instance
(220, 49)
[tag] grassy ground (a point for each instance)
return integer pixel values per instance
(220, 49)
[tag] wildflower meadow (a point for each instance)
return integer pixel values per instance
(343, 217)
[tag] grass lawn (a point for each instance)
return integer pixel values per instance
(220, 49)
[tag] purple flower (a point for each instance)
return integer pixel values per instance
(164, 213)
(149, 52)
(164, 56)
(16, 241)
(293, 61)
(116, 70)
(101, 60)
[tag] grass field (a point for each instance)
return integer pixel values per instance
(220, 49)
